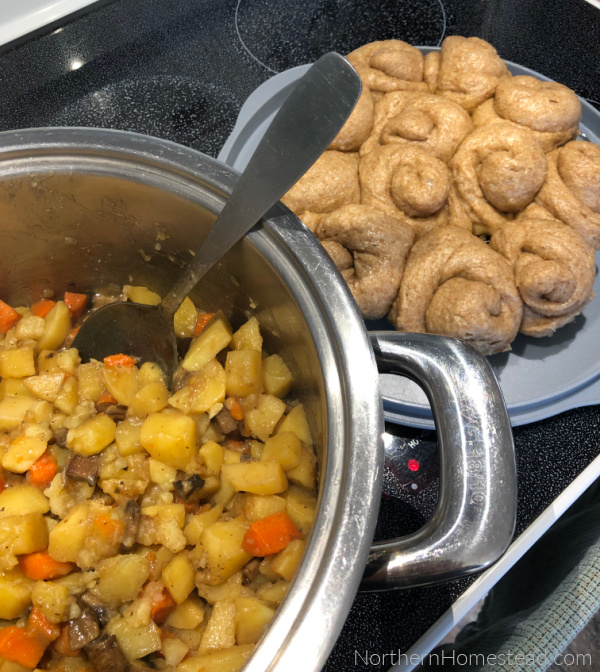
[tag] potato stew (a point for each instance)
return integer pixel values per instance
(144, 525)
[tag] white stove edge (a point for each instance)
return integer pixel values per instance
(482, 585)
(20, 19)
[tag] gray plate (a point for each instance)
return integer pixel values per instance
(539, 377)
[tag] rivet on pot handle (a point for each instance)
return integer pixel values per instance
(474, 520)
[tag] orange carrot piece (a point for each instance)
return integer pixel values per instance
(62, 646)
(107, 398)
(162, 607)
(37, 622)
(42, 471)
(270, 535)
(41, 566)
(42, 307)
(109, 527)
(232, 404)
(119, 360)
(201, 321)
(76, 303)
(22, 645)
(8, 317)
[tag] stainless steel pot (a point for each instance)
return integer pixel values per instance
(83, 208)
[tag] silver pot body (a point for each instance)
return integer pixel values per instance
(84, 209)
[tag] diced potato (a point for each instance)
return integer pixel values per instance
(135, 641)
(259, 478)
(286, 562)
(256, 448)
(170, 437)
(15, 594)
(53, 599)
(261, 420)
(17, 363)
(93, 436)
(228, 591)
(185, 318)
(199, 522)
(207, 387)
(26, 448)
(121, 578)
(285, 448)
(181, 399)
(212, 456)
(23, 534)
(244, 372)
(21, 499)
(149, 372)
(67, 360)
(220, 629)
(122, 383)
(30, 327)
(91, 381)
(260, 506)
(179, 578)
(305, 474)
(277, 378)
(273, 593)
(68, 537)
(248, 336)
(187, 615)
(228, 660)
(45, 386)
(13, 387)
(225, 492)
(231, 456)
(151, 398)
(295, 421)
(301, 507)
(222, 543)
(214, 337)
(166, 512)
(162, 474)
(67, 398)
(251, 619)
(138, 294)
(174, 651)
(57, 328)
(13, 410)
(127, 436)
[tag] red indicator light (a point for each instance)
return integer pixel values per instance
(413, 465)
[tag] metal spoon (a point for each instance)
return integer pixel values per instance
(301, 131)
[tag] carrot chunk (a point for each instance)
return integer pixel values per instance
(76, 303)
(42, 307)
(21, 645)
(120, 360)
(40, 566)
(201, 321)
(8, 317)
(37, 622)
(270, 535)
(235, 408)
(42, 471)
(106, 398)
(162, 607)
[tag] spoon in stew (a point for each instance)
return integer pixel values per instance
(300, 132)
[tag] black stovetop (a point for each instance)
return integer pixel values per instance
(181, 69)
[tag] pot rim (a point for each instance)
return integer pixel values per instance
(312, 615)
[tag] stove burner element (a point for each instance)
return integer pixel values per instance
(279, 34)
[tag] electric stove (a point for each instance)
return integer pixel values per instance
(181, 70)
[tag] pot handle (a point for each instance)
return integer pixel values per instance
(474, 519)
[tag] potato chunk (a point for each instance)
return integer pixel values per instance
(170, 437)
(58, 325)
(259, 478)
(93, 436)
(277, 378)
(214, 337)
(222, 543)
(244, 372)
(17, 363)
(251, 619)
(15, 594)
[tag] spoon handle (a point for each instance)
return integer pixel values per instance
(300, 132)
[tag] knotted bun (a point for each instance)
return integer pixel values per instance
(370, 249)
(455, 285)
(466, 70)
(497, 171)
(554, 271)
(420, 120)
(550, 110)
(571, 192)
(389, 65)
